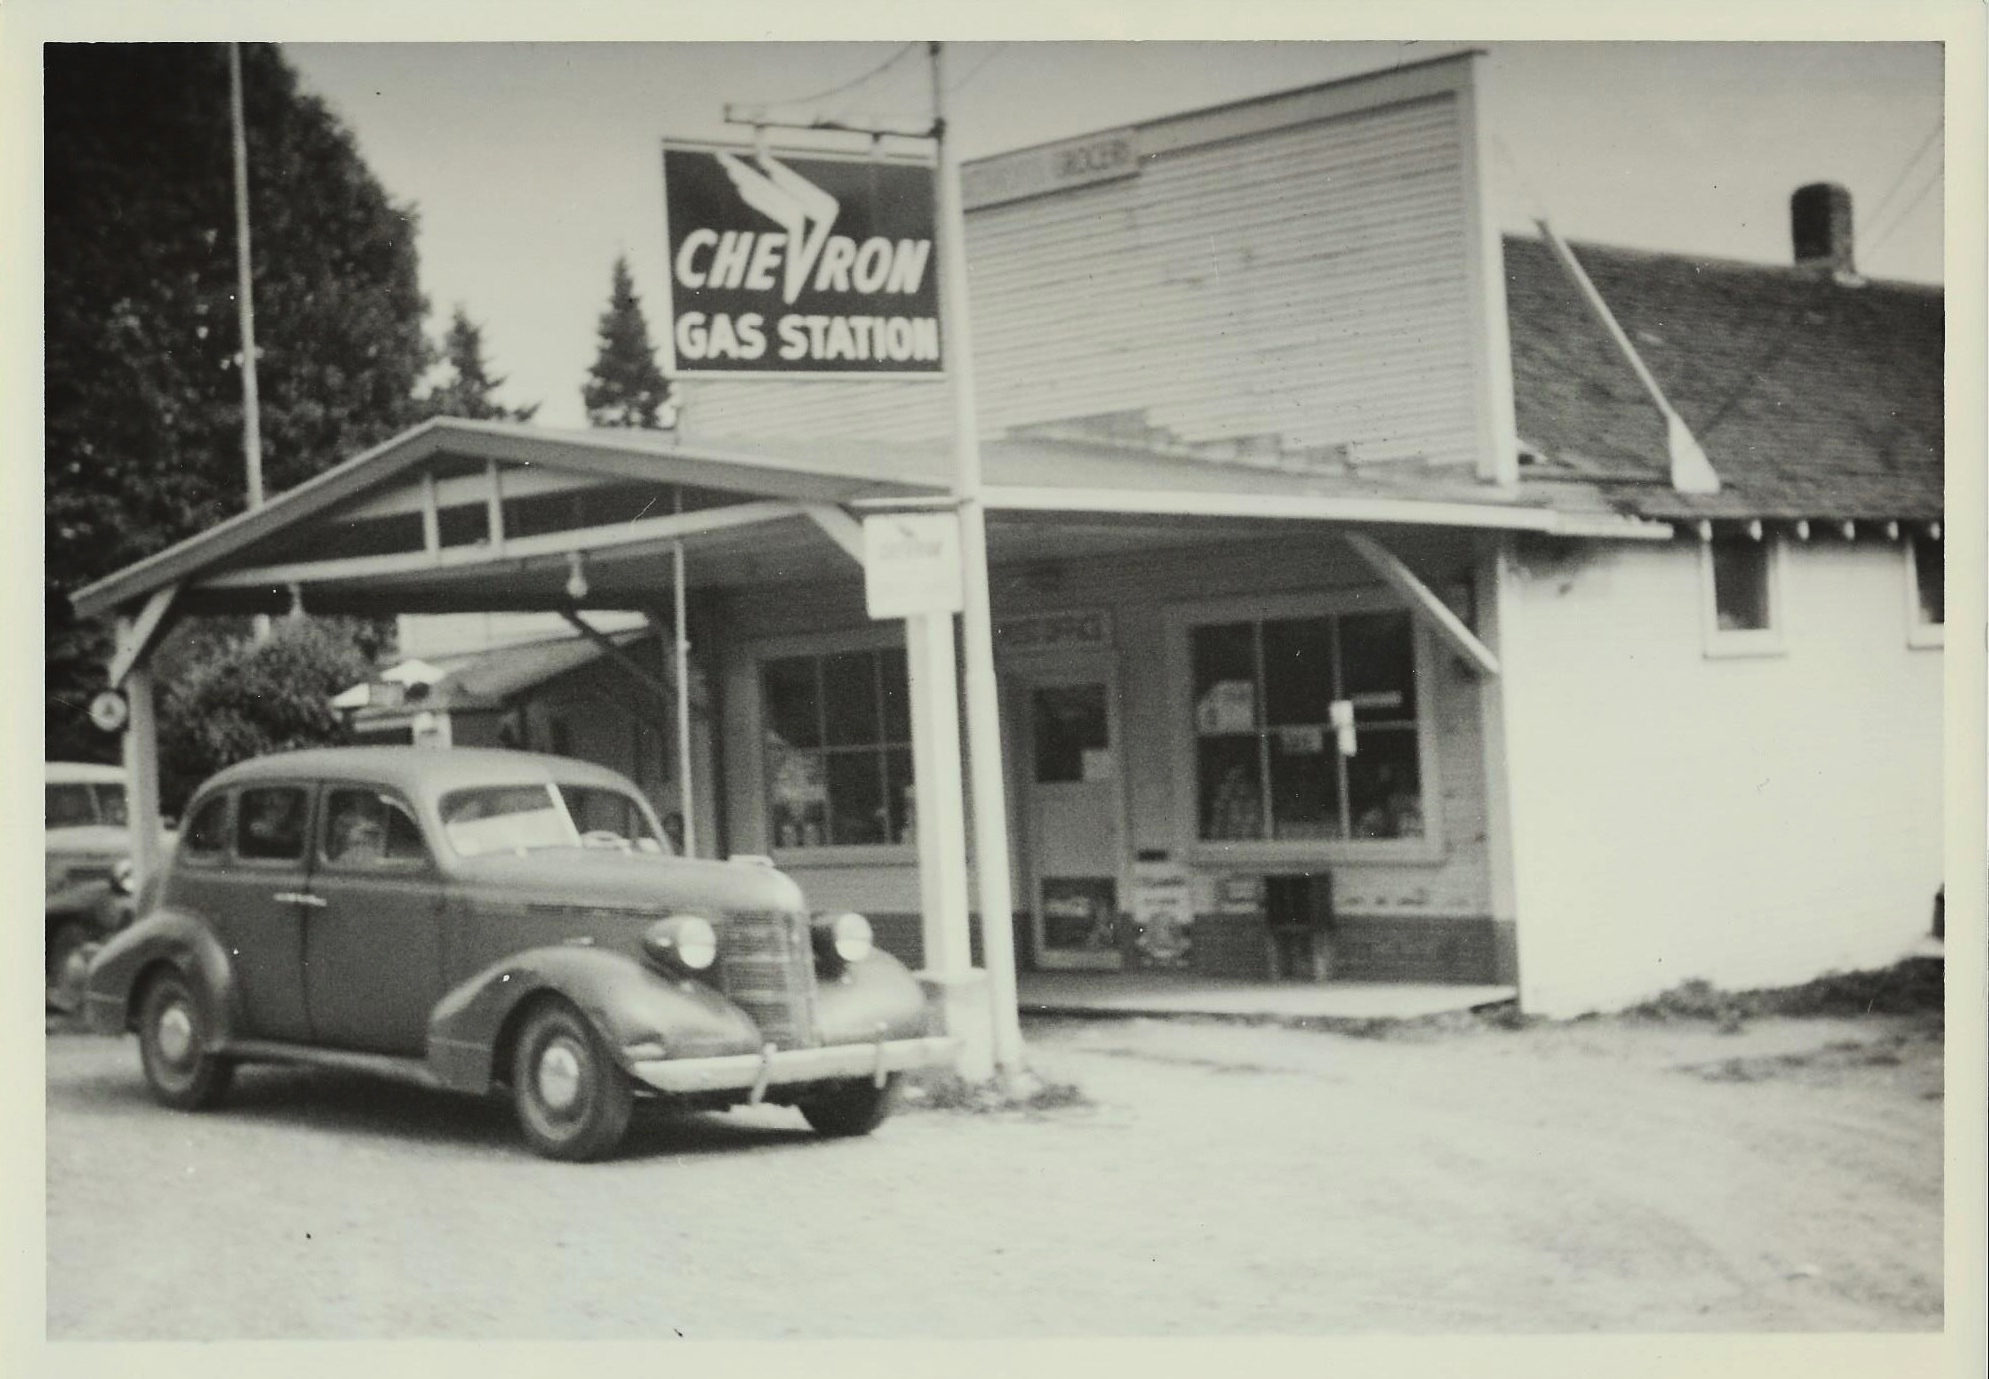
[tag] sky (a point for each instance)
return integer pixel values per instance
(532, 165)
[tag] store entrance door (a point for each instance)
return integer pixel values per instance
(1074, 805)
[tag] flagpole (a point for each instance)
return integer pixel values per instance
(984, 752)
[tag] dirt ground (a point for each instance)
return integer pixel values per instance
(1216, 1179)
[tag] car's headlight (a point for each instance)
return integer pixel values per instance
(123, 874)
(687, 941)
(842, 939)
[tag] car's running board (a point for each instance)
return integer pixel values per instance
(410, 1070)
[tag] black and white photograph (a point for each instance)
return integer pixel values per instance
(1050, 685)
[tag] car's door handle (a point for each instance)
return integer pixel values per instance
(316, 902)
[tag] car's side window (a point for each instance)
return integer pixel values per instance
(364, 828)
(206, 834)
(269, 824)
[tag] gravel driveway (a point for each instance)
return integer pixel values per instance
(1220, 1179)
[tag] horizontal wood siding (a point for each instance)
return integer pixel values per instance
(1310, 283)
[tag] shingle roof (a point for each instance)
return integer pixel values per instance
(1811, 398)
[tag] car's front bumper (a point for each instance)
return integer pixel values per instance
(774, 1068)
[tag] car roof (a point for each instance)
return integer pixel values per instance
(419, 770)
(84, 772)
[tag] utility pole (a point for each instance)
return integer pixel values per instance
(984, 754)
(245, 298)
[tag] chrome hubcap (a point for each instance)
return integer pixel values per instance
(559, 1076)
(175, 1034)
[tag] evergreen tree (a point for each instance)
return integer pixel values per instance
(470, 391)
(625, 388)
(143, 402)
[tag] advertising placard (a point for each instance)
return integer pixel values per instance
(786, 264)
(911, 564)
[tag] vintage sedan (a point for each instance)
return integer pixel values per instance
(87, 854)
(498, 922)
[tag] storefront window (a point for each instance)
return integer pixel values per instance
(839, 758)
(1273, 762)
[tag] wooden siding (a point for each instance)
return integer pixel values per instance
(1312, 282)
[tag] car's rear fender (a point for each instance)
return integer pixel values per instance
(636, 1009)
(169, 938)
(876, 998)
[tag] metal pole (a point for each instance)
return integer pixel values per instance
(683, 677)
(244, 296)
(984, 753)
(245, 299)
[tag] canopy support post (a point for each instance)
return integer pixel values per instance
(681, 645)
(141, 746)
(959, 991)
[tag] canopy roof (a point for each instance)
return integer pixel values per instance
(458, 515)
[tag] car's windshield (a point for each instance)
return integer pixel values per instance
(520, 818)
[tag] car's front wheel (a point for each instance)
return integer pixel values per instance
(850, 1108)
(573, 1102)
(176, 1044)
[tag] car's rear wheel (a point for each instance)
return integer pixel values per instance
(68, 962)
(851, 1108)
(573, 1103)
(176, 1044)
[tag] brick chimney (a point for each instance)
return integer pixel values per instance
(1820, 222)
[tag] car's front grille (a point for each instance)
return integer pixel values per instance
(80, 874)
(766, 964)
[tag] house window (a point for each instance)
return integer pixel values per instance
(1306, 729)
(1740, 585)
(1742, 595)
(838, 749)
(1926, 572)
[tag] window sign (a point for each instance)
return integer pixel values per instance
(1228, 706)
(787, 264)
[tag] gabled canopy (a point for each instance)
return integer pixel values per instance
(462, 516)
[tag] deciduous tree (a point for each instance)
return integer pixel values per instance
(144, 398)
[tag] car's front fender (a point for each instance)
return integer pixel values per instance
(636, 1009)
(164, 936)
(876, 998)
(97, 905)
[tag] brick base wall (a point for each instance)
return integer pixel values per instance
(1365, 950)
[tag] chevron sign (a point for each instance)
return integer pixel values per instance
(799, 264)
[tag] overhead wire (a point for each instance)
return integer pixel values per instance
(854, 82)
(1905, 171)
(978, 68)
(1881, 236)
